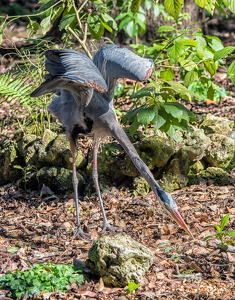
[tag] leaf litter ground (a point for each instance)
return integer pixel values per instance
(42, 230)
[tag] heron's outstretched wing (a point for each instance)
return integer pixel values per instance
(73, 71)
(114, 62)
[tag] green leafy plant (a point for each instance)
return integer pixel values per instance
(132, 287)
(201, 89)
(42, 277)
(26, 171)
(17, 84)
(222, 235)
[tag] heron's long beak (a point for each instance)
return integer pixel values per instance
(177, 217)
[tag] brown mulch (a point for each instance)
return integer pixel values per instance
(42, 228)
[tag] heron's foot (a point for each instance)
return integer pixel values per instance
(106, 226)
(82, 234)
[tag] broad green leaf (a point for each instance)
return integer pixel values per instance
(173, 134)
(175, 51)
(0, 38)
(190, 78)
(123, 15)
(135, 5)
(215, 43)
(210, 91)
(201, 3)
(230, 5)
(46, 5)
(146, 115)
(12, 249)
(131, 29)
(134, 126)
(211, 67)
(188, 65)
(46, 24)
(173, 7)
(131, 114)
(148, 4)
(167, 75)
(231, 68)
(95, 26)
(223, 52)
(231, 233)
(140, 22)
(179, 88)
(57, 11)
(158, 121)
(124, 22)
(166, 28)
(210, 6)
(146, 91)
(67, 20)
(173, 110)
(109, 20)
(217, 228)
(32, 27)
(224, 221)
(201, 45)
(156, 10)
(189, 42)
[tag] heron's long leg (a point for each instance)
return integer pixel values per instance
(95, 179)
(75, 187)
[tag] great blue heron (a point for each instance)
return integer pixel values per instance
(84, 105)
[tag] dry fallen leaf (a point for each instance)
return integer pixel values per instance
(86, 293)
(186, 207)
(100, 285)
(195, 267)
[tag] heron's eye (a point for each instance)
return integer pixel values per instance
(165, 205)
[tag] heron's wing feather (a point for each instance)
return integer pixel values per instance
(73, 71)
(114, 62)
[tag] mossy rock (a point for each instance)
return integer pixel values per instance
(212, 124)
(57, 179)
(174, 175)
(221, 154)
(118, 259)
(141, 186)
(196, 144)
(196, 167)
(109, 160)
(9, 157)
(59, 154)
(219, 176)
(154, 150)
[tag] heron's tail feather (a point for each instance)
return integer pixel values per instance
(49, 86)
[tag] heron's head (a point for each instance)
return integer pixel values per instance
(169, 204)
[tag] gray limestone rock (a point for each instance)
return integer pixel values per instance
(174, 175)
(212, 124)
(221, 153)
(196, 144)
(219, 176)
(57, 179)
(118, 259)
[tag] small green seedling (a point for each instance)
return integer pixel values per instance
(70, 210)
(222, 235)
(132, 287)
